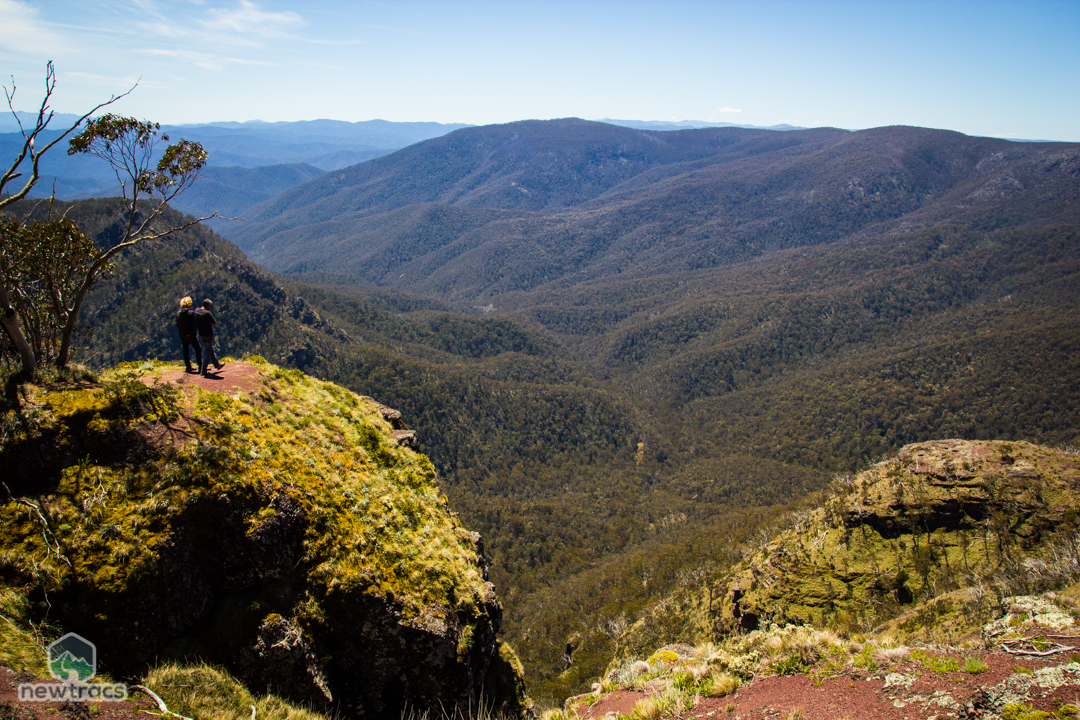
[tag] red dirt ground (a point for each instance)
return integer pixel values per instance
(233, 377)
(905, 690)
(11, 708)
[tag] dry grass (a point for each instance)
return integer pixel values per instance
(555, 715)
(720, 684)
(718, 669)
(204, 691)
(891, 654)
(484, 712)
(20, 647)
(669, 703)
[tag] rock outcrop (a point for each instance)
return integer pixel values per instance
(282, 531)
(949, 516)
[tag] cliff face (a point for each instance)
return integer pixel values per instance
(940, 517)
(277, 528)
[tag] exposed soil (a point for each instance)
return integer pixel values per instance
(11, 708)
(905, 690)
(231, 378)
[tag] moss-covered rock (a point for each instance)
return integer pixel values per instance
(279, 531)
(993, 517)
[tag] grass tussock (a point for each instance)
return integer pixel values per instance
(677, 677)
(483, 712)
(975, 666)
(21, 647)
(556, 715)
(669, 703)
(205, 691)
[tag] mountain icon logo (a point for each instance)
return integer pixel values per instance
(72, 659)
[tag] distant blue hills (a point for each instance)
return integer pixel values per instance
(249, 162)
(690, 125)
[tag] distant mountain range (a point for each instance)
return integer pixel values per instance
(487, 211)
(280, 154)
(743, 312)
(690, 125)
(326, 144)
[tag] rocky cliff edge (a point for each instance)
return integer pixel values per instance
(272, 524)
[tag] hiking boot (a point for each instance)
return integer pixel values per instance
(219, 365)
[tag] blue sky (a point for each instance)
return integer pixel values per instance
(1004, 69)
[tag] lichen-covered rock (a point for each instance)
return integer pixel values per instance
(280, 531)
(939, 517)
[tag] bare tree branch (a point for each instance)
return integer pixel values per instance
(160, 703)
(44, 116)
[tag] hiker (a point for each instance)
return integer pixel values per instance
(204, 324)
(185, 323)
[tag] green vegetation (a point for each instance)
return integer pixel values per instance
(950, 524)
(596, 484)
(41, 266)
(286, 508)
(1020, 711)
(203, 690)
(677, 676)
(21, 646)
(975, 666)
(936, 663)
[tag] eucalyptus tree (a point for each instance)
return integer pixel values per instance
(66, 266)
(43, 264)
(130, 146)
(16, 176)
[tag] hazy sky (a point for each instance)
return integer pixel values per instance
(1006, 69)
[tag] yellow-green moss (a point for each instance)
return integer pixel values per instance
(908, 530)
(377, 521)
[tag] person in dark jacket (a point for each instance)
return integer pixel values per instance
(185, 323)
(204, 325)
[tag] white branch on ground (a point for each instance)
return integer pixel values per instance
(160, 703)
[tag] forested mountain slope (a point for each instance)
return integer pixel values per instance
(483, 212)
(230, 191)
